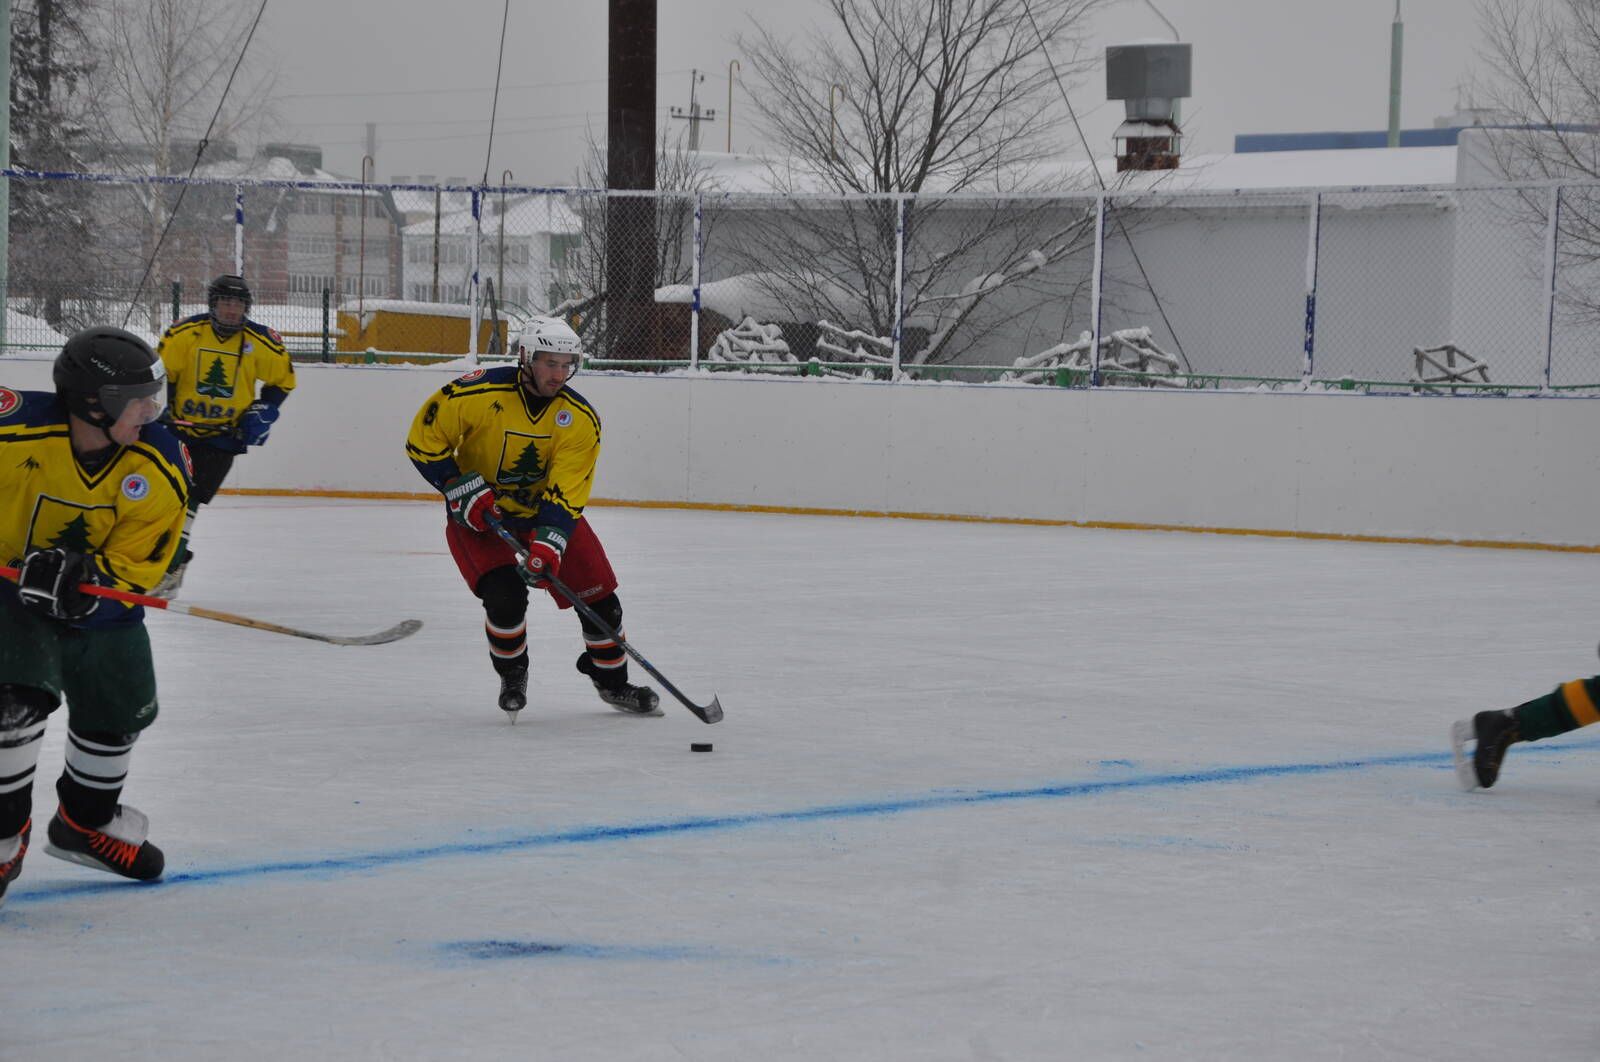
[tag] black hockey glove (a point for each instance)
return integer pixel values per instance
(48, 583)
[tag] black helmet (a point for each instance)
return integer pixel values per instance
(100, 370)
(227, 286)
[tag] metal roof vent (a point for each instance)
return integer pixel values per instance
(1150, 79)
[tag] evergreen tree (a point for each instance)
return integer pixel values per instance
(526, 468)
(74, 536)
(216, 383)
(51, 61)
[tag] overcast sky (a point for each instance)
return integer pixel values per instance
(424, 72)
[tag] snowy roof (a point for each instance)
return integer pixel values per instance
(415, 201)
(1250, 170)
(276, 168)
(526, 215)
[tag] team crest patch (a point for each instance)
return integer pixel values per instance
(564, 418)
(10, 401)
(135, 487)
(276, 338)
(188, 462)
(473, 375)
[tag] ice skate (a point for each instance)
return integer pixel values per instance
(11, 852)
(618, 692)
(119, 846)
(1494, 732)
(514, 691)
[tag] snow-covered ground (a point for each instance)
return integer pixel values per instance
(983, 791)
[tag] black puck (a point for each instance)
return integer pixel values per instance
(699, 746)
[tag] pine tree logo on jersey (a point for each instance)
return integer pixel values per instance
(519, 460)
(69, 525)
(219, 370)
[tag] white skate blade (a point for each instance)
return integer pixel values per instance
(80, 858)
(1461, 733)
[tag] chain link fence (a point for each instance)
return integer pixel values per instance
(1438, 289)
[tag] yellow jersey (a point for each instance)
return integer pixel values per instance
(212, 381)
(538, 454)
(127, 514)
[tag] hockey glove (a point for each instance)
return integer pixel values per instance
(544, 555)
(256, 424)
(470, 500)
(48, 583)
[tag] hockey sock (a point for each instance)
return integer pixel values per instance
(1568, 707)
(97, 767)
(24, 712)
(609, 660)
(508, 646)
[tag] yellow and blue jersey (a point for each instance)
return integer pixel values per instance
(127, 514)
(538, 454)
(212, 381)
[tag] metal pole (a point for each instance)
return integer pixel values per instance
(1313, 253)
(438, 199)
(899, 285)
(500, 283)
(733, 64)
(1095, 286)
(1397, 33)
(238, 230)
(694, 303)
(472, 283)
(1552, 228)
(361, 271)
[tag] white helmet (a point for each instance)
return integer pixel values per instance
(547, 335)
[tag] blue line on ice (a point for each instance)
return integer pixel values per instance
(357, 862)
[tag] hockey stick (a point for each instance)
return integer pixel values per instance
(706, 713)
(403, 629)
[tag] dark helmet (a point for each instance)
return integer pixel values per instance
(100, 370)
(227, 286)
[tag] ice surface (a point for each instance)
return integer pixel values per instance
(983, 791)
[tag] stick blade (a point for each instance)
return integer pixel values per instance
(709, 713)
(403, 629)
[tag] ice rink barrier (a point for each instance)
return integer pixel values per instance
(1493, 470)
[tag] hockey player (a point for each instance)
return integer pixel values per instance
(214, 361)
(1570, 706)
(91, 491)
(517, 443)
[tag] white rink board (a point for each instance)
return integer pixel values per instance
(1514, 470)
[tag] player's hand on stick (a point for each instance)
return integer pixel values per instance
(48, 583)
(544, 555)
(256, 424)
(470, 500)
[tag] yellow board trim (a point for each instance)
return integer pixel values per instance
(1579, 703)
(1103, 525)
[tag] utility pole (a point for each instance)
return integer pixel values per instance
(630, 167)
(693, 115)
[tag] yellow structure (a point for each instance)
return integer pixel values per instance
(396, 329)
